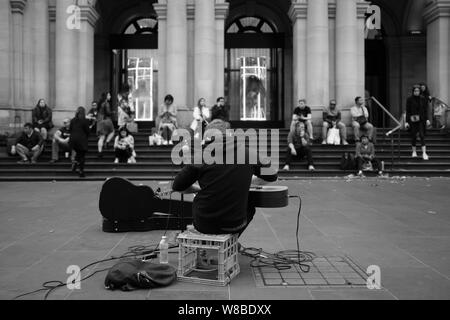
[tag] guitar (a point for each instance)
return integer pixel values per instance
(126, 207)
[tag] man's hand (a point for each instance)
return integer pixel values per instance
(293, 151)
(428, 123)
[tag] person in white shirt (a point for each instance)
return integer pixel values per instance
(360, 118)
(201, 117)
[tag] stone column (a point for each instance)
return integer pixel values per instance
(318, 72)
(28, 56)
(361, 68)
(191, 98)
(66, 69)
(17, 10)
(346, 53)
(41, 44)
(437, 17)
(205, 50)
(89, 17)
(298, 15)
(161, 11)
(176, 51)
(221, 12)
(5, 61)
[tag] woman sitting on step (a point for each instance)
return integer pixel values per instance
(124, 147)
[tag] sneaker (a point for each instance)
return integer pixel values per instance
(345, 143)
(116, 161)
(425, 157)
(74, 166)
(360, 174)
(414, 155)
(170, 143)
(311, 168)
(324, 143)
(23, 161)
(165, 143)
(286, 168)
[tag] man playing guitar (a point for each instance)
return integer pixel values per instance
(221, 205)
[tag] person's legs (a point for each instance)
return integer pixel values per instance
(80, 159)
(369, 129)
(101, 142)
(36, 154)
(55, 150)
(310, 128)
(288, 158)
(376, 164)
(23, 152)
(165, 133)
(356, 129)
(414, 129)
(343, 130)
(325, 128)
(305, 152)
(359, 163)
(44, 133)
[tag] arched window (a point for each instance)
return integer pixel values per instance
(251, 25)
(142, 26)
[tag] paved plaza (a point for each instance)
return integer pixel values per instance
(400, 225)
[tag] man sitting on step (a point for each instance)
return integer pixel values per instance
(29, 145)
(221, 205)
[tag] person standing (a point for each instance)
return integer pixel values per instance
(79, 135)
(105, 126)
(42, 118)
(417, 120)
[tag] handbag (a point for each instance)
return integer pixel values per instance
(334, 136)
(133, 274)
(362, 120)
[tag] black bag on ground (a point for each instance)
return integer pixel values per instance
(348, 161)
(134, 274)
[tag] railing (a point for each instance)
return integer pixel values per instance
(390, 134)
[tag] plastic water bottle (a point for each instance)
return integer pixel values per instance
(164, 251)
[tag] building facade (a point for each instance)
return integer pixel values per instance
(262, 55)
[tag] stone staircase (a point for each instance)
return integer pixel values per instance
(154, 163)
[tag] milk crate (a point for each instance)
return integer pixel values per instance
(207, 259)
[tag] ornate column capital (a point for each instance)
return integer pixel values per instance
(88, 12)
(298, 10)
(221, 9)
(361, 8)
(190, 7)
(161, 9)
(17, 6)
(436, 9)
(332, 10)
(52, 13)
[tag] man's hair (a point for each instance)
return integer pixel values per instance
(220, 98)
(302, 100)
(169, 97)
(28, 125)
(357, 99)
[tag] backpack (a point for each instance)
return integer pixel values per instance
(133, 274)
(348, 162)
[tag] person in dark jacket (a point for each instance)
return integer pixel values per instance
(105, 126)
(79, 134)
(417, 120)
(299, 145)
(42, 118)
(29, 144)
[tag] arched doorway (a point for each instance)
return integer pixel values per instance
(254, 64)
(135, 65)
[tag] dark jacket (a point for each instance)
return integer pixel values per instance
(44, 114)
(417, 106)
(223, 199)
(105, 111)
(30, 142)
(79, 134)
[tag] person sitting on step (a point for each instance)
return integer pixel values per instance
(304, 114)
(167, 120)
(29, 145)
(61, 140)
(365, 157)
(42, 118)
(124, 147)
(360, 118)
(299, 145)
(332, 119)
